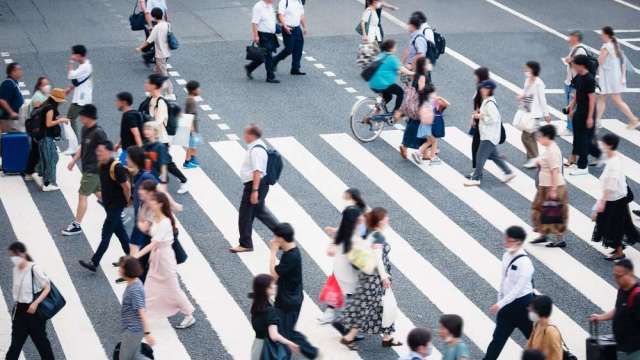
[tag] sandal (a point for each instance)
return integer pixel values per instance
(390, 343)
(351, 345)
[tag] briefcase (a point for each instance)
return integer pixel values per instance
(600, 347)
(255, 52)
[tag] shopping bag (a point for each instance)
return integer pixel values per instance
(523, 121)
(389, 308)
(183, 132)
(331, 294)
(362, 256)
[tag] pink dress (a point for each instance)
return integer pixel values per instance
(164, 296)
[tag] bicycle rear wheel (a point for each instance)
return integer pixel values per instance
(363, 125)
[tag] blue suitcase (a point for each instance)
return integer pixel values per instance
(15, 152)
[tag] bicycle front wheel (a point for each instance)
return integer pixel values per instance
(363, 125)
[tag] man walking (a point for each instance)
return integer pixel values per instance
(116, 193)
(130, 125)
(263, 28)
(294, 27)
(254, 192)
(626, 314)
(158, 38)
(581, 111)
(11, 98)
(288, 274)
(91, 135)
(516, 292)
(79, 72)
(576, 48)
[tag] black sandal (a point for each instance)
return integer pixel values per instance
(351, 345)
(390, 343)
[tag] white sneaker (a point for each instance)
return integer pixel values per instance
(578, 172)
(183, 189)
(508, 178)
(530, 164)
(50, 187)
(28, 177)
(472, 182)
(417, 157)
(37, 179)
(187, 322)
(327, 316)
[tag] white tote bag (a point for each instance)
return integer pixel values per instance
(523, 121)
(183, 132)
(389, 308)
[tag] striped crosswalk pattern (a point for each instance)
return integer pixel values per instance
(218, 300)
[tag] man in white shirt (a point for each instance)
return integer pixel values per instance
(577, 48)
(252, 205)
(263, 29)
(294, 27)
(158, 38)
(82, 86)
(516, 292)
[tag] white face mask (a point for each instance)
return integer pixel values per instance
(16, 260)
(429, 350)
(46, 89)
(533, 316)
(527, 74)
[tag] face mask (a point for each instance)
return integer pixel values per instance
(16, 260)
(46, 89)
(527, 74)
(533, 316)
(429, 350)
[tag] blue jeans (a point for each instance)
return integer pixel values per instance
(568, 90)
(112, 225)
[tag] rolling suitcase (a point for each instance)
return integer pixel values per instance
(14, 152)
(146, 352)
(600, 347)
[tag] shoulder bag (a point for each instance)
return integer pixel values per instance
(523, 120)
(411, 102)
(172, 40)
(566, 353)
(136, 19)
(366, 26)
(362, 256)
(52, 304)
(178, 250)
(368, 72)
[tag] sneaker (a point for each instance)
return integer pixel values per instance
(89, 265)
(28, 177)
(417, 157)
(73, 229)
(194, 160)
(189, 165)
(187, 322)
(472, 182)
(185, 164)
(578, 172)
(50, 187)
(530, 164)
(37, 179)
(436, 161)
(327, 316)
(560, 244)
(508, 178)
(183, 189)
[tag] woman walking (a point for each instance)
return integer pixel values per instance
(46, 145)
(612, 77)
(364, 310)
(379, 7)
(28, 280)
(550, 208)
(423, 87)
(265, 319)
(481, 74)
(370, 24)
(164, 296)
(40, 94)
(612, 216)
(545, 337)
(133, 316)
(533, 102)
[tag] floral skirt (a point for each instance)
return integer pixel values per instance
(364, 309)
(536, 211)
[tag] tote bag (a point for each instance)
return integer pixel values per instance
(331, 294)
(52, 304)
(362, 256)
(523, 121)
(136, 19)
(389, 308)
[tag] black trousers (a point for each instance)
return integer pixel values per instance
(173, 168)
(248, 212)
(288, 319)
(293, 45)
(584, 144)
(270, 43)
(34, 158)
(475, 144)
(26, 325)
(112, 225)
(510, 317)
(387, 95)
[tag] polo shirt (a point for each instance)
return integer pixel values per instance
(264, 17)
(10, 92)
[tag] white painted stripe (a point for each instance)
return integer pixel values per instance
(181, 82)
(340, 82)
(223, 126)
(619, 128)
(21, 84)
(561, 91)
(5, 327)
(225, 217)
(360, 97)
(25, 92)
(168, 342)
(205, 107)
(329, 74)
(428, 279)
(310, 58)
(309, 235)
(423, 211)
(233, 137)
(73, 327)
(214, 116)
(174, 73)
(621, 41)
(627, 30)
(8, 61)
(197, 98)
(4, 54)
(351, 90)
(579, 223)
(169, 66)
(630, 39)
(627, 4)
(319, 66)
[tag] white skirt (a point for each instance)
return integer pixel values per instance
(610, 80)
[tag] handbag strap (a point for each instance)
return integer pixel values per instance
(564, 344)
(135, 5)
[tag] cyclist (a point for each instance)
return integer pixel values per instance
(384, 79)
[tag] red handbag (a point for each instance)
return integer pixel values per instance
(331, 293)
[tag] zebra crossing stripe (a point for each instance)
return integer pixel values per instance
(224, 216)
(619, 128)
(73, 327)
(428, 279)
(5, 327)
(310, 236)
(167, 339)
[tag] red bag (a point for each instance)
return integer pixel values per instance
(331, 294)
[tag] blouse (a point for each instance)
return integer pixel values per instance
(490, 121)
(23, 287)
(372, 18)
(162, 231)
(546, 339)
(261, 321)
(551, 159)
(535, 98)
(613, 179)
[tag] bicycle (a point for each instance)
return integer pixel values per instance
(368, 118)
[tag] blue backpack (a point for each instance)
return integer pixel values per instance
(274, 165)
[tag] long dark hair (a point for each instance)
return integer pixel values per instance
(425, 93)
(420, 70)
(259, 294)
(165, 207)
(39, 83)
(20, 249)
(482, 73)
(347, 227)
(608, 30)
(356, 195)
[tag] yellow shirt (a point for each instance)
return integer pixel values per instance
(546, 339)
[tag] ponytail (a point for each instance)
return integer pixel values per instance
(20, 249)
(608, 30)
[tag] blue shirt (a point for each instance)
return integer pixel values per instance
(417, 45)
(387, 73)
(132, 302)
(138, 179)
(10, 92)
(456, 352)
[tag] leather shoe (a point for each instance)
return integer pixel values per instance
(273, 81)
(560, 244)
(248, 72)
(297, 72)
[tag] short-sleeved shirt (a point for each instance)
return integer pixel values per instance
(159, 112)
(261, 321)
(43, 110)
(550, 159)
(289, 280)
(158, 156)
(626, 321)
(132, 303)
(264, 16)
(292, 10)
(158, 36)
(190, 107)
(23, 286)
(112, 192)
(255, 160)
(83, 93)
(417, 45)
(575, 51)
(130, 120)
(10, 92)
(160, 4)
(456, 352)
(91, 137)
(387, 73)
(138, 179)
(584, 85)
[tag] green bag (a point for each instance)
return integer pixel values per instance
(366, 26)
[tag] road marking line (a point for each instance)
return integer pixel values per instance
(351, 90)
(205, 107)
(223, 126)
(630, 39)
(319, 66)
(329, 74)
(340, 82)
(233, 137)
(181, 81)
(197, 98)
(214, 116)
(174, 73)
(6, 321)
(619, 128)
(169, 66)
(310, 58)
(22, 84)
(627, 4)
(25, 92)
(4, 54)
(621, 41)
(8, 61)
(360, 97)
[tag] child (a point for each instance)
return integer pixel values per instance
(419, 341)
(433, 108)
(190, 107)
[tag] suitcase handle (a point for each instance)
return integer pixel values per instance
(594, 329)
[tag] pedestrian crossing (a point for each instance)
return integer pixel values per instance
(223, 310)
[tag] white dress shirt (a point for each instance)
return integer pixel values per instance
(255, 159)
(83, 94)
(264, 16)
(613, 179)
(490, 120)
(516, 279)
(22, 290)
(292, 13)
(576, 50)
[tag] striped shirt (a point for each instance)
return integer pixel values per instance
(132, 302)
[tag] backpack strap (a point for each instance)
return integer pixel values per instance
(77, 83)
(514, 260)
(261, 147)
(634, 293)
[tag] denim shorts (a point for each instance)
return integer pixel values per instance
(194, 140)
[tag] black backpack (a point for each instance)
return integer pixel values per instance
(434, 50)
(35, 125)
(372, 68)
(593, 64)
(274, 165)
(173, 111)
(143, 110)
